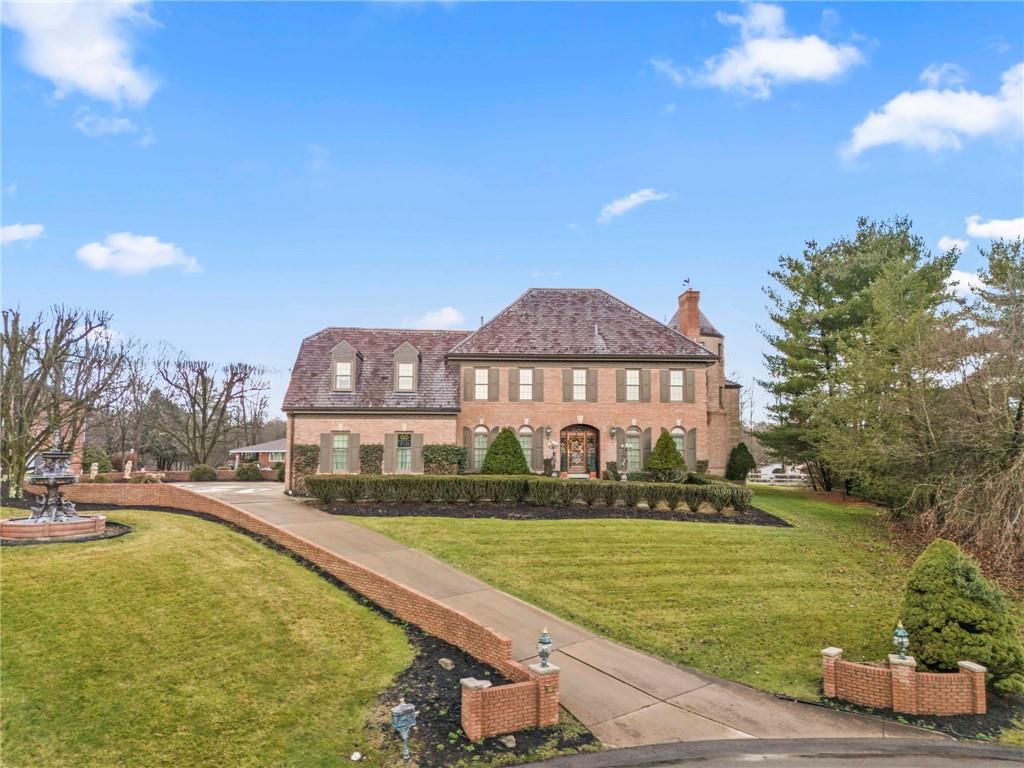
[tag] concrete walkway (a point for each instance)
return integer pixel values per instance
(626, 698)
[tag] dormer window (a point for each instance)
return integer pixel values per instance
(344, 367)
(407, 368)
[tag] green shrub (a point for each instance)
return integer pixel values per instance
(280, 472)
(740, 463)
(505, 456)
(249, 472)
(651, 493)
(741, 498)
(444, 459)
(473, 489)
(543, 493)
(613, 470)
(629, 493)
(549, 467)
(425, 490)
(94, 454)
(567, 491)
(673, 496)
(591, 493)
(665, 461)
(277, 465)
(702, 466)
(305, 462)
(202, 473)
(145, 479)
(693, 496)
(952, 613)
(719, 496)
(609, 493)
(101, 479)
(371, 458)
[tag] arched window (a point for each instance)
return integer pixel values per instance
(679, 438)
(526, 441)
(634, 463)
(480, 435)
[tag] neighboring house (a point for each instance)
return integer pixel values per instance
(780, 474)
(583, 379)
(264, 454)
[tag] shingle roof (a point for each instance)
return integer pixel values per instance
(273, 445)
(706, 328)
(311, 388)
(575, 321)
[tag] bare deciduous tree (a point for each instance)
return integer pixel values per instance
(207, 400)
(56, 368)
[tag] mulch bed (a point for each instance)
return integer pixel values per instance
(751, 516)
(438, 740)
(1002, 712)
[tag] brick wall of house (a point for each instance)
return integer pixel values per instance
(900, 687)
(514, 707)
(605, 413)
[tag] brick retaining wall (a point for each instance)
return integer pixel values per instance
(179, 475)
(530, 701)
(901, 688)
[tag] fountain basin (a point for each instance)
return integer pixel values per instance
(25, 528)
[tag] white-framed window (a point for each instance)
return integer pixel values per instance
(343, 375)
(479, 447)
(481, 379)
(679, 438)
(526, 383)
(579, 383)
(275, 456)
(403, 452)
(526, 442)
(405, 377)
(633, 384)
(676, 385)
(633, 463)
(339, 454)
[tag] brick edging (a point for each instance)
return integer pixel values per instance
(531, 700)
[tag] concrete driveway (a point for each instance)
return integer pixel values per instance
(626, 698)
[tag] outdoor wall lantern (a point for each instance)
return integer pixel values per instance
(613, 431)
(544, 648)
(901, 639)
(547, 430)
(403, 717)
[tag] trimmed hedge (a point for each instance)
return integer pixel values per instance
(249, 471)
(539, 491)
(505, 456)
(202, 473)
(444, 459)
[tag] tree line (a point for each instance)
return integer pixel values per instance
(889, 383)
(65, 372)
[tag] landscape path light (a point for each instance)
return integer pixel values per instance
(403, 717)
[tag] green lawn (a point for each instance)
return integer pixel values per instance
(749, 603)
(184, 644)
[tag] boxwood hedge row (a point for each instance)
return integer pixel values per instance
(539, 491)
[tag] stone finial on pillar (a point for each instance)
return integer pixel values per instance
(977, 677)
(829, 657)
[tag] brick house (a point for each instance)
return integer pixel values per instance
(266, 455)
(582, 378)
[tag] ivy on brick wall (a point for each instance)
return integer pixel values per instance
(444, 459)
(371, 458)
(305, 462)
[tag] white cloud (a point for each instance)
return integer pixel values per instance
(130, 254)
(938, 75)
(947, 243)
(84, 46)
(94, 126)
(769, 55)
(995, 229)
(11, 189)
(961, 282)
(669, 70)
(12, 233)
(445, 317)
(934, 119)
(618, 207)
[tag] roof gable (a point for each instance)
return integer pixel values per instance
(570, 322)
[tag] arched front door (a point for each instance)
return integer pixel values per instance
(579, 449)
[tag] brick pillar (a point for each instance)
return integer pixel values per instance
(547, 679)
(473, 707)
(976, 673)
(904, 683)
(829, 658)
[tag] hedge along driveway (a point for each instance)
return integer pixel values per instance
(754, 604)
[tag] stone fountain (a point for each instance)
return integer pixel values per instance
(53, 516)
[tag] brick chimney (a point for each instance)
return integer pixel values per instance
(689, 314)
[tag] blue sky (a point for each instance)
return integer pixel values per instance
(232, 177)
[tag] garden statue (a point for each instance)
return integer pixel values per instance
(128, 470)
(94, 470)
